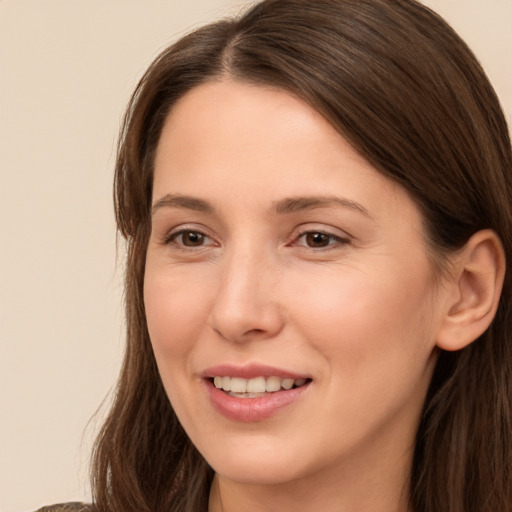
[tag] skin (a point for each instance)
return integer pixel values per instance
(358, 313)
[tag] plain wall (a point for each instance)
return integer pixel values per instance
(67, 68)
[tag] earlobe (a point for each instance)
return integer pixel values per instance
(475, 287)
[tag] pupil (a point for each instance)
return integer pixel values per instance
(317, 240)
(192, 238)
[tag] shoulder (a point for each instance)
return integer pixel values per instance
(67, 507)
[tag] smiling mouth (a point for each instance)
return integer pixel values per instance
(256, 387)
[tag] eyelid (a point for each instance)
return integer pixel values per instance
(339, 236)
(342, 237)
(173, 233)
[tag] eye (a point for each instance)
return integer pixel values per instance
(317, 239)
(188, 238)
(320, 240)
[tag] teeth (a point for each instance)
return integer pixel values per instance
(287, 383)
(257, 386)
(238, 385)
(273, 384)
(226, 383)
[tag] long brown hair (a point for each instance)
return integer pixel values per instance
(397, 82)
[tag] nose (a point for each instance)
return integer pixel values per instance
(246, 306)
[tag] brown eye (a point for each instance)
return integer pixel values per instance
(189, 241)
(317, 240)
(192, 238)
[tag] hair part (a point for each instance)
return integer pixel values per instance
(397, 83)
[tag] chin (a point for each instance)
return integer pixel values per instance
(266, 473)
(263, 463)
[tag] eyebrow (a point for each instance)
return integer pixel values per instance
(281, 207)
(180, 201)
(297, 204)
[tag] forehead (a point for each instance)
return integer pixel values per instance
(217, 113)
(235, 122)
(235, 142)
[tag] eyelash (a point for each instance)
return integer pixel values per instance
(171, 238)
(334, 241)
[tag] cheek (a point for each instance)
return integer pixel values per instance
(355, 317)
(176, 313)
(376, 342)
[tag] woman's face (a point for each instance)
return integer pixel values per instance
(279, 257)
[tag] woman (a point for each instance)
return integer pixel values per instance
(316, 204)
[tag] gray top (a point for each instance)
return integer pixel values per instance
(67, 507)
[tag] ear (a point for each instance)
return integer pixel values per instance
(474, 290)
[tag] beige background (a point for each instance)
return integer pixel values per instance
(67, 68)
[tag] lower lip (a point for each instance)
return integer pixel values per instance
(252, 409)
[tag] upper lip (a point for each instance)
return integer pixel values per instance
(250, 371)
